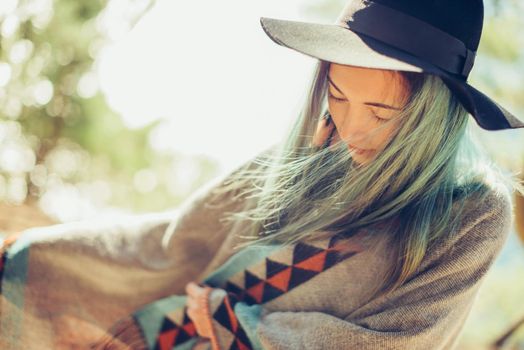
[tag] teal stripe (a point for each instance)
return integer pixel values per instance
(151, 317)
(249, 317)
(13, 287)
(239, 262)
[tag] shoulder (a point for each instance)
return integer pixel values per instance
(489, 208)
(484, 226)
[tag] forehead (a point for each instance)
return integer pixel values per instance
(369, 85)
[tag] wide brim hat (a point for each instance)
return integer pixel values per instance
(436, 37)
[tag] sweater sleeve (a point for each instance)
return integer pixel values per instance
(140, 242)
(426, 312)
(197, 231)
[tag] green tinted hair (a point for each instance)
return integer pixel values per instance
(415, 188)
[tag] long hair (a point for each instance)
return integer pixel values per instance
(424, 175)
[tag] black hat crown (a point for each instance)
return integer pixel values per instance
(445, 33)
(460, 18)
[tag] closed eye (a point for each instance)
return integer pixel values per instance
(340, 100)
(335, 98)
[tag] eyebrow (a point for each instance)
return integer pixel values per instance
(376, 104)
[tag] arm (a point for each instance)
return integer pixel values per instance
(121, 262)
(426, 312)
(153, 241)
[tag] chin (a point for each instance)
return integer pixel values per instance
(360, 159)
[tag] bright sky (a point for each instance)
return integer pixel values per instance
(207, 69)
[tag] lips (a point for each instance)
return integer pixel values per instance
(360, 151)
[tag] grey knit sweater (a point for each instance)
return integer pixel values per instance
(80, 277)
(335, 309)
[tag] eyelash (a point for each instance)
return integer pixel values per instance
(380, 120)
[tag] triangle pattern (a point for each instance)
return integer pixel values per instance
(314, 263)
(271, 292)
(226, 335)
(256, 292)
(281, 280)
(250, 279)
(303, 251)
(284, 270)
(222, 316)
(165, 340)
(274, 267)
(308, 260)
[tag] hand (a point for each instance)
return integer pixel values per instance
(325, 128)
(197, 308)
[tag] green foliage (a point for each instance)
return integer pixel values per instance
(65, 137)
(499, 40)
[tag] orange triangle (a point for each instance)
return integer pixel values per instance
(241, 345)
(256, 292)
(190, 328)
(281, 279)
(315, 263)
(167, 339)
(231, 315)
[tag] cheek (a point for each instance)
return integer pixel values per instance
(382, 137)
(376, 137)
(380, 140)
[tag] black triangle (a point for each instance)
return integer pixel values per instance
(299, 276)
(332, 258)
(222, 316)
(167, 325)
(234, 346)
(233, 288)
(182, 336)
(249, 300)
(333, 240)
(304, 251)
(186, 317)
(250, 279)
(243, 337)
(273, 267)
(270, 292)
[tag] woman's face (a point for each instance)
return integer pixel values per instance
(361, 102)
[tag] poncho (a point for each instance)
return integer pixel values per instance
(65, 286)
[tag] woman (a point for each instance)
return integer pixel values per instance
(370, 227)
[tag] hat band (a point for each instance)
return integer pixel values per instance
(413, 36)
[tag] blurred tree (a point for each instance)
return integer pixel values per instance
(57, 134)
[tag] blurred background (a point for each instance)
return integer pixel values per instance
(112, 107)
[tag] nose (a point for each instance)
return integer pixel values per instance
(353, 125)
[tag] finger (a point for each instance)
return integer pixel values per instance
(192, 288)
(190, 313)
(191, 303)
(335, 139)
(193, 315)
(322, 132)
